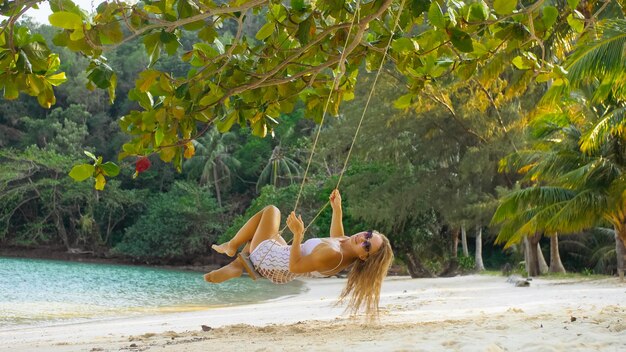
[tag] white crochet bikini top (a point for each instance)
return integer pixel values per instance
(309, 245)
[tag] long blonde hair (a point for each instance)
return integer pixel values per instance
(366, 278)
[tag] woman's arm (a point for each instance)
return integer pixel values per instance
(336, 225)
(296, 225)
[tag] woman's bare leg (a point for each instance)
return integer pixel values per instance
(227, 272)
(260, 227)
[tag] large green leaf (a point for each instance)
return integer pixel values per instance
(404, 45)
(461, 40)
(550, 14)
(504, 7)
(82, 172)
(65, 20)
(265, 31)
(478, 12)
(435, 15)
(110, 169)
(573, 4)
(419, 6)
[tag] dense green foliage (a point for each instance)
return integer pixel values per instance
(178, 224)
(195, 84)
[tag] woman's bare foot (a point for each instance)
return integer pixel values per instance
(224, 273)
(224, 248)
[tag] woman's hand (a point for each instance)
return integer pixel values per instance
(335, 199)
(296, 225)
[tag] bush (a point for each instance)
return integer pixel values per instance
(177, 225)
(467, 263)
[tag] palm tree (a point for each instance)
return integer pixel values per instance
(579, 183)
(213, 162)
(279, 170)
(581, 160)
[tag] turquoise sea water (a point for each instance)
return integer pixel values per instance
(34, 291)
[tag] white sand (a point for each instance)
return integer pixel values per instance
(469, 313)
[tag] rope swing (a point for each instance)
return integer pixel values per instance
(250, 268)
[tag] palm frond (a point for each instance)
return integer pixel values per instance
(599, 58)
(613, 123)
(530, 197)
(582, 212)
(545, 125)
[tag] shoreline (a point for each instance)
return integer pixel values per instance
(466, 313)
(55, 253)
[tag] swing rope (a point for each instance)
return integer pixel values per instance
(335, 82)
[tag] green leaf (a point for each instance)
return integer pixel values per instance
(65, 5)
(265, 31)
(110, 169)
(208, 34)
(478, 12)
(518, 61)
(65, 20)
(461, 40)
(22, 36)
(403, 102)
(403, 45)
(10, 90)
(90, 154)
(550, 14)
(259, 128)
(543, 77)
(419, 6)
(82, 172)
(57, 79)
(224, 125)
(304, 30)
(23, 64)
(573, 4)
(38, 55)
(298, 5)
(467, 69)
(504, 7)
(111, 33)
(206, 49)
(101, 76)
(158, 137)
(577, 24)
(152, 43)
(112, 85)
(435, 15)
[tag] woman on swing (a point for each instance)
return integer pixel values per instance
(369, 253)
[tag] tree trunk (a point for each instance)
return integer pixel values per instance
(479, 249)
(455, 242)
(532, 261)
(556, 266)
(217, 187)
(524, 244)
(415, 267)
(464, 241)
(58, 222)
(620, 250)
(543, 266)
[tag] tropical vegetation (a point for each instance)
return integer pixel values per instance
(440, 121)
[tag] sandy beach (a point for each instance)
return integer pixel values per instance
(467, 313)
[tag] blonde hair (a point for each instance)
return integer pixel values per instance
(365, 280)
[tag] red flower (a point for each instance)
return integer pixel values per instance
(142, 164)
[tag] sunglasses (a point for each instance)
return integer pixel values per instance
(367, 245)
